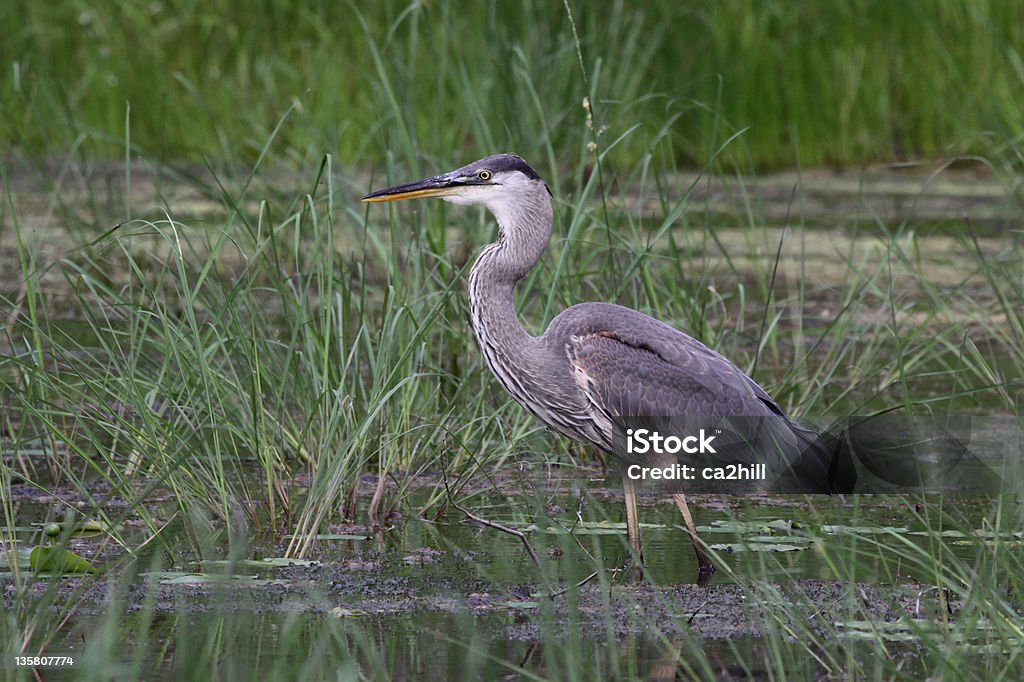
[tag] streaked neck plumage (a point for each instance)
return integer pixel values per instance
(524, 228)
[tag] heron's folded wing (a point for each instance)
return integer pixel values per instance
(628, 380)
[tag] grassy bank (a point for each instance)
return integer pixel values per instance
(841, 84)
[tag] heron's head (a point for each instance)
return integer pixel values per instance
(499, 182)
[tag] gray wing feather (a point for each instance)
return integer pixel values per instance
(637, 365)
(631, 365)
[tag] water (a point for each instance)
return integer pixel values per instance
(449, 600)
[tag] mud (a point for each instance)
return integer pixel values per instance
(713, 612)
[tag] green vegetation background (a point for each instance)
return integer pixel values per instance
(842, 82)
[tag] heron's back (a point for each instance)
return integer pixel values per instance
(633, 369)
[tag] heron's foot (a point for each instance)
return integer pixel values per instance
(705, 572)
(633, 570)
(705, 568)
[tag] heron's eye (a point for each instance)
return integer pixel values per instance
(484, 175)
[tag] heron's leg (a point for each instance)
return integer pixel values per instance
(632, 519)
(704, 564)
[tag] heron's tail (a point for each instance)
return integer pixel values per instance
(823, 465)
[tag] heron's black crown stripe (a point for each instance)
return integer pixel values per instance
(508, 162)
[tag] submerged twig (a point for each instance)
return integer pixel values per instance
(491, 524)
(552, 594)
(689, 621)
(578, 585)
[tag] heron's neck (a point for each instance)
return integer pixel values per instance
(524, 232)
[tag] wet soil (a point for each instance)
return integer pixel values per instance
(713, 612)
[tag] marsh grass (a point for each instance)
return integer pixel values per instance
(844, 83)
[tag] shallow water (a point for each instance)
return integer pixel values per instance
(448, 599)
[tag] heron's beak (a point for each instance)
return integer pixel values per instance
(437, 186)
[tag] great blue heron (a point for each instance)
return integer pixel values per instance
(597, 361)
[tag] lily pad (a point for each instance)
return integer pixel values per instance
(966, 636)
(21, 558)
(980, 533)
(85, 527)
(200, 579)
(591, 528)
(791, 539)
(269, 562)
(179, 578)
(339, 536)
(583, 530)
(898, 631)
(940, 534)
(757, 547)
(865, 530)
(743, 527)
(57, 560)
